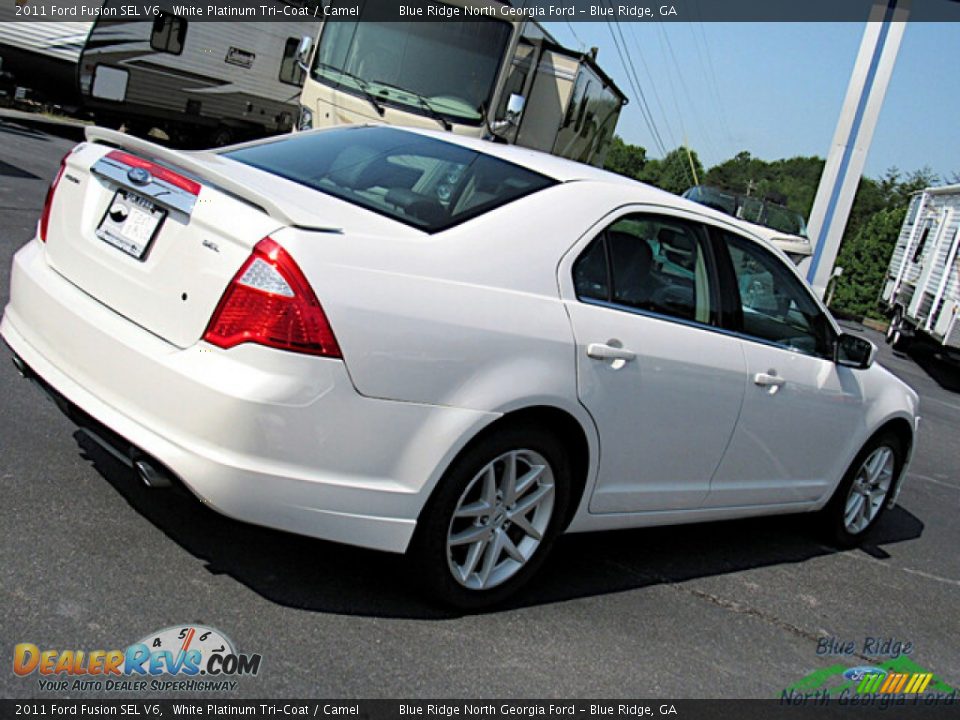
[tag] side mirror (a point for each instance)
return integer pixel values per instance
(515, 105)
(854, 352)
(303, 52)
(511, 118)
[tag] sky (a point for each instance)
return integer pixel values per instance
(776, 89)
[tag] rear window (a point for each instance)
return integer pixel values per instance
(421, 181)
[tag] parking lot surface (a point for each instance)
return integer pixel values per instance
(90, 559)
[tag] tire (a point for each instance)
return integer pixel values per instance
(896, 336)
(473, 547)
(876, 466)
(894, 328)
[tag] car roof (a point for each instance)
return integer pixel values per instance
(564, 170)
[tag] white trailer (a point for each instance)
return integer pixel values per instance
(215, 82)
(41, 56)
(922, 288)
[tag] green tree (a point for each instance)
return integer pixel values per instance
(625, 159)
(864, 259)
(673, 172)
(872, 230)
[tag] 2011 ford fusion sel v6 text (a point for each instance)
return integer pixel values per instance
(419, 343)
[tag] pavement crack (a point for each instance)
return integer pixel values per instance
(742, 609)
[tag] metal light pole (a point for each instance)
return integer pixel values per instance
(851, 140)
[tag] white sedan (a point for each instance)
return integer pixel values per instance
(419, 343)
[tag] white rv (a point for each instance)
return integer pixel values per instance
(922, 289)
(212, 82)
(481, 72)
(41, 56)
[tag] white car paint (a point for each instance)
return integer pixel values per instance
(442, 334)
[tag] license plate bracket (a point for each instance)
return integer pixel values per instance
(131, 223)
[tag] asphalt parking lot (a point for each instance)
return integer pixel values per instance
(90, 559)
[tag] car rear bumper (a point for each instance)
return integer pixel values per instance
(269, 437)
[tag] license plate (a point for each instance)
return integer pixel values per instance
(130, 223)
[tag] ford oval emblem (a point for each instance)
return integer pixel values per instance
(139, 176)
(856, 673)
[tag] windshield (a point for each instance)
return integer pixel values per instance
(419, 180)
(447, 68)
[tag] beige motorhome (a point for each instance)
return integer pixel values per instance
(483, 72)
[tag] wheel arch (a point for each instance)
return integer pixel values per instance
(564, 425)
(903, 431)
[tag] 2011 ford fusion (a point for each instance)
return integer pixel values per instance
(418, 343)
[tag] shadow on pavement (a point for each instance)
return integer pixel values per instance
(314, 575)
(39, 129)
(931, 359)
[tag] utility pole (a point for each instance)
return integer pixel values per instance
(851, 140)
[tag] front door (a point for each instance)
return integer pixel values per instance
(802, 412)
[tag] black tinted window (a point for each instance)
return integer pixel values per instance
(775, 305)
(418, 180)
(590, 272)
(658, 265)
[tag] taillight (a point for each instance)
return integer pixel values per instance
(270, 302)
(158, 171)
(45, 215)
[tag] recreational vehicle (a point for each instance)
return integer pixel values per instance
(41, 56)
(481, 72)
(212, 82)
(922, 289)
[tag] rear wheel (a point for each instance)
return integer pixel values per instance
(491, 523)
(861, 498)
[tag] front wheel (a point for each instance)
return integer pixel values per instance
(897, 336)
(491, 523)
(862, 495)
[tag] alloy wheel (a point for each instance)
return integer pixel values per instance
(869, 490)
(500, 519)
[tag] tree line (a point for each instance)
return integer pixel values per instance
(878, 211)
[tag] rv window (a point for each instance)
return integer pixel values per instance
(290, 72)
(918, 253)
(914, 209)
(168, 33)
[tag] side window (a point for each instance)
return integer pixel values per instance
(650, 263)
(168, 34)
(774, 304)
(290, 72)
(590, 272)
(918, 253)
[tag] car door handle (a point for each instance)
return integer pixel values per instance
(601, 351)
(768, 380)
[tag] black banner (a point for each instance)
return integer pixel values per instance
(439, 11)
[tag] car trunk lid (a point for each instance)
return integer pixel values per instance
(155, 234)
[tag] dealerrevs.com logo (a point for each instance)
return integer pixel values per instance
(179, 658)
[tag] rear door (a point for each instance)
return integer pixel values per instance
(662, 382)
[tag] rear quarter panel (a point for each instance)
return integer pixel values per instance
(470, 317)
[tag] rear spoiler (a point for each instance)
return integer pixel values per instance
(180, 160)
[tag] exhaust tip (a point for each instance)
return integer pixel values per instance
(21, 367)
(150, 476)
